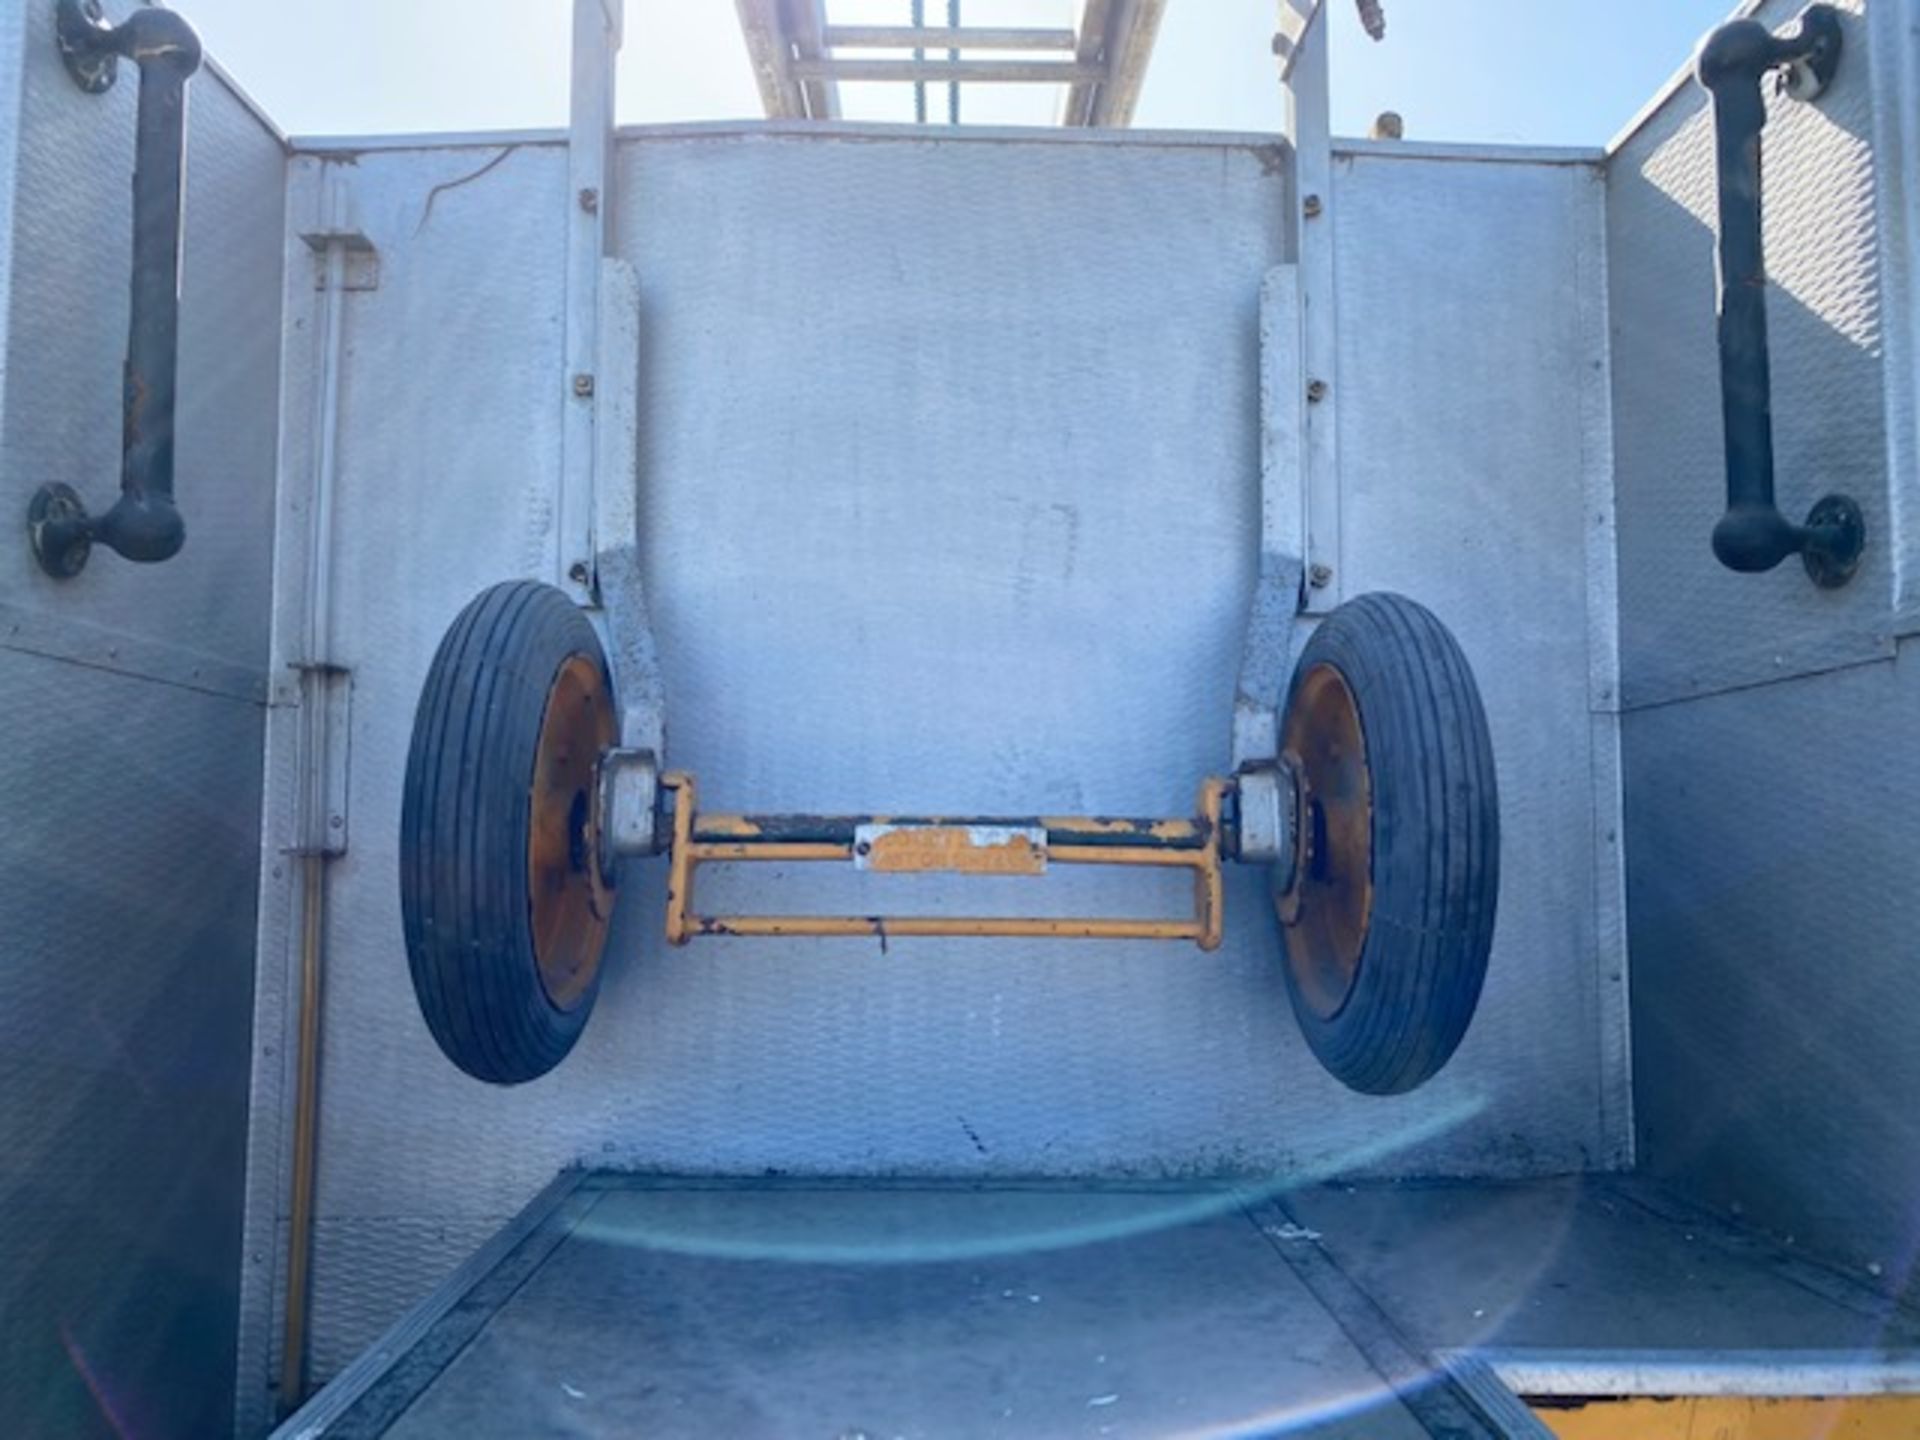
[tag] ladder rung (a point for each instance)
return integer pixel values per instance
(941, 37)
(1034, 72)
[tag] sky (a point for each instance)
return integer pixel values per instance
(1529, 71)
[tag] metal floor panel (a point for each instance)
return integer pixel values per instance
(624, 1304)
(1604, 1285)
(632, 1306)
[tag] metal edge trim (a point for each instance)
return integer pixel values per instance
(247, 103)
(1613, 969)
(237, 90)
(1675, 83)
(352, 1384)
(1765, 1374)
(339, 145)
(1893, 70)
(1489, 1393)
(1469, 152)
(51, 635)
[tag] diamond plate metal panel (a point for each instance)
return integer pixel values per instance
(66, 342)
(1689, 626)
(1771, 874)
(126, 974)
(943, 507)
(1769, 863)
(130, 779)
(1474, 469)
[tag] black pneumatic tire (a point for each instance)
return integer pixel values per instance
(1389, 918)
(501, 898)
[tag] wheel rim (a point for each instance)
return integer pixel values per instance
(1327, 908)
(569, 904)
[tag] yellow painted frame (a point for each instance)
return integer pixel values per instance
(1731, 1417)
(686, 854)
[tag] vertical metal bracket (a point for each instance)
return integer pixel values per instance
(623, 619)
(596, 555)
(1267, 649)
(1301, 43)
(597, 27)
(320, 810)
(345, 261)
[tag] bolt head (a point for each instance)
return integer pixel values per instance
(1312, 206)
(1320, 576)
(1316, 391)
(583, 386)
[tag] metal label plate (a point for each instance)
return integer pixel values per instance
(951, 849)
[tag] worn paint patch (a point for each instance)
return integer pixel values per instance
(1736, 1417)
(951, 849)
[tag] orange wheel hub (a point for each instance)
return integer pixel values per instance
(571, 905)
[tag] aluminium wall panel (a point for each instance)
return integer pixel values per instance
(1767, 748)
(130, 773)
(949, 465)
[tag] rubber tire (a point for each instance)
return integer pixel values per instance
(465, 812)
(1435, 846)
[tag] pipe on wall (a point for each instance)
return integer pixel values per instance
(145, 524)
(1753, 535)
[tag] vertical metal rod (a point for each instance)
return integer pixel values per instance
(319, 638)
(953, 86)
(315, 753)
(919, 17)
(306, 1118)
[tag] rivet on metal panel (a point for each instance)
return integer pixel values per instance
(1312, 207)
(578, 572)
(1316, 391)
(590, 200)
(583, 386)
(1320, 576)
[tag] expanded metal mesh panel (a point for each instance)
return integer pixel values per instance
(1689, 626)
(949, 465)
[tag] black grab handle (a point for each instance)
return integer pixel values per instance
(1753, 535)
(144, 524)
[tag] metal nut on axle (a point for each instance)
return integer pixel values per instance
(629, 801)
(1267, 806)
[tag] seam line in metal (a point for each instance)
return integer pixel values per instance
(364, 1375)
(1444, 1401)
(51, 635)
